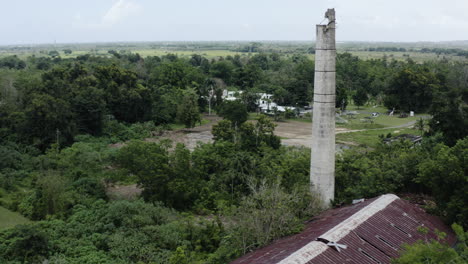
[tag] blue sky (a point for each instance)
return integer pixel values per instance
(65, 21)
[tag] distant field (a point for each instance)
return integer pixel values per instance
(187, 53)
(10, 219)
(143, 52)
(214, 51)
(416, 56)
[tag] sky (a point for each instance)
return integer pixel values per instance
(70, 21)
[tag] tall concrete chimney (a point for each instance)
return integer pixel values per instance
(322, 165)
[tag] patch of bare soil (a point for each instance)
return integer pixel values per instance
(190, 137)
(292, 133)
(117, 145)
(123, 192)
(296, 133)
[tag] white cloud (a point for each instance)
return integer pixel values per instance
(77, 16)
(119, 11)
(447, 21)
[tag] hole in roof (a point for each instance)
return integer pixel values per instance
(401, 230)
(322, 240)
(386, 242)
(369, 256)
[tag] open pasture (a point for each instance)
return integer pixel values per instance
(10, 219)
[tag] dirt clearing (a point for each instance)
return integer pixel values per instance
(292, 133)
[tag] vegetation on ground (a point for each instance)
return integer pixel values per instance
(71, 126)
(10, 219)
(436, 251)
(372, 137)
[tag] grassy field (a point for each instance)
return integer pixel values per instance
(187, 53)
(369, 128)
(143, 52)
(10, 219)
(416, 56)
(363, 119)
(370, 138)
(213, 52)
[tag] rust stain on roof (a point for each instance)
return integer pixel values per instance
(373, 231)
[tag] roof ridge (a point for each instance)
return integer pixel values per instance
(315, 248)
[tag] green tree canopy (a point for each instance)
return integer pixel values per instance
(412, 89)
(360, 97)
(235, 111)
(188, 112)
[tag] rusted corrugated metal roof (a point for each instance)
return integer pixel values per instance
(372, 231)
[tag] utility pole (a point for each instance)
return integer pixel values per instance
(211, 93)
(57, 140)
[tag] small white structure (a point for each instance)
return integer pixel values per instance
(231, 95)
(411, 113)
(283, 109)
(265, 102)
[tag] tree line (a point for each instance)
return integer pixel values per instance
(41, 95)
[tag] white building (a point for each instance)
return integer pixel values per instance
(265, 102)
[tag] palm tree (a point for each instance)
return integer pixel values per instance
(420, 125)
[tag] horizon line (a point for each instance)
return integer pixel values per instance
(201, 41)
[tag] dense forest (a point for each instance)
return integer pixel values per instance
(61, 117)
